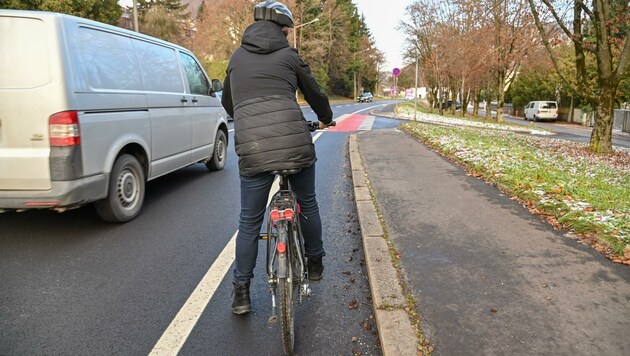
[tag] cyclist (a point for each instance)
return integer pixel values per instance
(270, 133)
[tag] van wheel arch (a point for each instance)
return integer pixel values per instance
(125, 192)
(219, 152)
(133, 164)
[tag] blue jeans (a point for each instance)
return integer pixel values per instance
(254, 195)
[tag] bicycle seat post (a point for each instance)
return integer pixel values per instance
(282, 181)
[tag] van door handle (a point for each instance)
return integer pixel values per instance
(184, 100)
(195, 100)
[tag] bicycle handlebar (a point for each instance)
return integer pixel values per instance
(314, 125)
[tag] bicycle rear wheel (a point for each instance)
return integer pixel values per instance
(287, 311)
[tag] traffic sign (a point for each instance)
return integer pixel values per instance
(396, 72)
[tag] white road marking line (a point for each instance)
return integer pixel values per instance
(368, 108)
(176, 334)
(367, 124)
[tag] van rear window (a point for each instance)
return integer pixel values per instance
(23, 53)
(549, 105)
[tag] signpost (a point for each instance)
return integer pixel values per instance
(396, 73)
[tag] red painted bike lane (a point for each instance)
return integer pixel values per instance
(350, 123)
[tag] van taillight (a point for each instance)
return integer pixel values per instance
(64, 129)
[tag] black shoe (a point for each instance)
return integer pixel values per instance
(241, 303)
(315, 268)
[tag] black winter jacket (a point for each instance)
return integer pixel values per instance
(270, 132)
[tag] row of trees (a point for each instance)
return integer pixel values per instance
(333, 43)
(489, 49)
(338, 46)
(336, 43)
(107, 11)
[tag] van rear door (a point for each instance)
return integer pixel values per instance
(29, 95)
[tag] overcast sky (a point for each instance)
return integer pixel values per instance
(382, 18)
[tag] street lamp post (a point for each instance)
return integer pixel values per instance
(298, 26)
(135, 15)
(295, 41)
(415, 90)
(354, 76)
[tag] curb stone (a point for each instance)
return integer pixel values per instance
(396, 332)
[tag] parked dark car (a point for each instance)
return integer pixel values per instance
(365, 97)
(448, 104)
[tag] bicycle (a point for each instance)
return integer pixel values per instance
(286, 260)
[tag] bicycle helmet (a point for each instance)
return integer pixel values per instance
(273, 11)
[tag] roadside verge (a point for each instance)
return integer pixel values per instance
(396, 331)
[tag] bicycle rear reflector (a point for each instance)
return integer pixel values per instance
(289, 214)
(281, 247)
(276, 215)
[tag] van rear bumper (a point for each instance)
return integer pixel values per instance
(547, 116)
(64, 194)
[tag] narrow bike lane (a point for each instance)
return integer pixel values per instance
(338, 318)
(72, 284)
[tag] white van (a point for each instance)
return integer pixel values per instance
(541, 110)
(90, 112)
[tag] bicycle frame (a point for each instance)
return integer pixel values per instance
(284, 228)
(286, 259)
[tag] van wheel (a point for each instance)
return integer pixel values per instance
(535, 118)
(125, 193)
(217, 162)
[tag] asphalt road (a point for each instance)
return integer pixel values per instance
(570, 132)
(72, 284)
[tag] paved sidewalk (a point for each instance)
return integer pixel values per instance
(489, 278)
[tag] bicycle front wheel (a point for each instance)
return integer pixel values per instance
(287, 312)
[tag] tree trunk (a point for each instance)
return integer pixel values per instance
(433, 98)
(476, 101)
(464, 102)
(601, 137)
(501, 94)
(488, 102)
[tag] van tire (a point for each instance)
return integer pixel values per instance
(125, 193)
(219, 154)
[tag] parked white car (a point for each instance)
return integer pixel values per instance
(89, 112)
(541, 110)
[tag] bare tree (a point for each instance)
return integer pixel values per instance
(600, 31)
